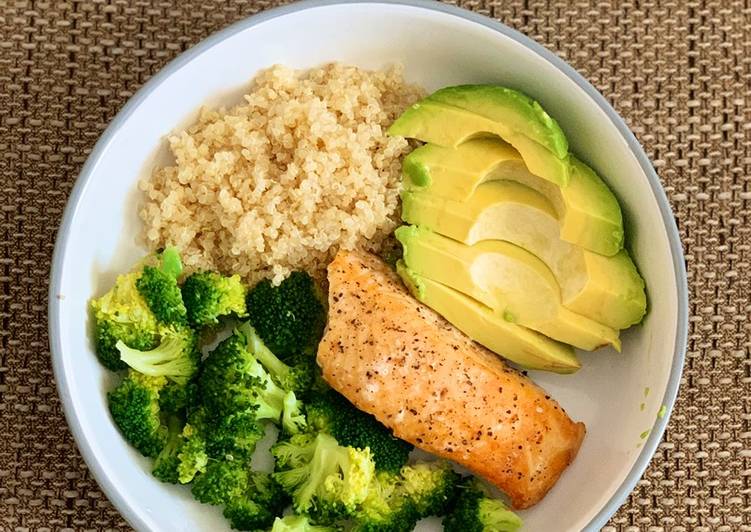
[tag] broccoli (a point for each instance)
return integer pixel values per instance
(122, 315)
(258, 506)
(163, 296)
(331, 413)
(209, 296)
(234, 437)
(251, 499)
(177, 398)
(431, 486)
(167, 462)
(223, 480)
(176, 357)
(476, 511)
(134, 405)
(297, 378)
(325, 480)
(387, 508)
(232, 380)
(192, 455)
(293, 420)
(298, 523)
(134, 309)
(290, 317)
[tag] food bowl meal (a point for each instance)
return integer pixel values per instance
(384, 264)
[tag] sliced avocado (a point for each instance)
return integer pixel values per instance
(606, 289)
(518, 111)
(518, 344)
(589, 212)
(510, 280)
(449, 126)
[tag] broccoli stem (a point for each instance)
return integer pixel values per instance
(262, 353)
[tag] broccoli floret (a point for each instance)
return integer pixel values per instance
(176, 357)
(134, 406)
(222, 481)
(387, 508)
(167, 462)
(324, 479)
(257, 508)
(476, 511)
(293, 420)
(208, 296)
(251, 499)
(297, 377)
(193, 454)
(290, 317)
(162, 294)
(333, 414)
(431, 486)
(133, 309)
(122, 315)
(232, 380)
(298, 523)
(176, 398)
(234, 437)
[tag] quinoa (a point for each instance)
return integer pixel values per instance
(281, 182)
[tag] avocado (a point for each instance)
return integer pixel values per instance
(606, 289)
(589, 212)
(518, 344)
(510, 280)
(454, 115)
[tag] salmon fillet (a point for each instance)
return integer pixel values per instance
(397, 359)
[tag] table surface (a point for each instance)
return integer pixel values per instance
(678, 71)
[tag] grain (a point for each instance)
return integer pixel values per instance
(281, 182)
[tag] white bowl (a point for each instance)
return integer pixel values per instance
(618, 396)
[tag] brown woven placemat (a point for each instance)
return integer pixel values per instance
(679, 72)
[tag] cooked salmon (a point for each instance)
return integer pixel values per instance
(392, 356)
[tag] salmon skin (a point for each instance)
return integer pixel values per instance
(397, 359)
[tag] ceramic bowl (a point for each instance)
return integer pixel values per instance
(625, 399)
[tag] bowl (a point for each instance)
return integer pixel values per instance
(624, 398)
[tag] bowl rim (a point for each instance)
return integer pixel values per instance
(652, 442)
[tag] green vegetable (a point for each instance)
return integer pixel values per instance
(259, 505)
(208, 296)
(252, 499)
(387, 507)
(324, 479)
(333, 414)
(298, 523)
(476, 511)
(232, 380)
(162, 294)
(176, 357)
(293, 420)
(167, 462)
(192, 455)
(297, 378)
(176, 398)
(132, 311)
(234, 437)
(221, 482)
(431, 486)
(134, 405)
(290, 317)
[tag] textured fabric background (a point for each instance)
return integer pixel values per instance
(678, 71)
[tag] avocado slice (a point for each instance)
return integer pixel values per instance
(518, 344)
(510, 280)
(606, 289)
(454, 115)
(589, 212)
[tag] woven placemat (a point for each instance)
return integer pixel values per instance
(678, 71)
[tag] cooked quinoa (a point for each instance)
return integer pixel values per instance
(279, 183)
